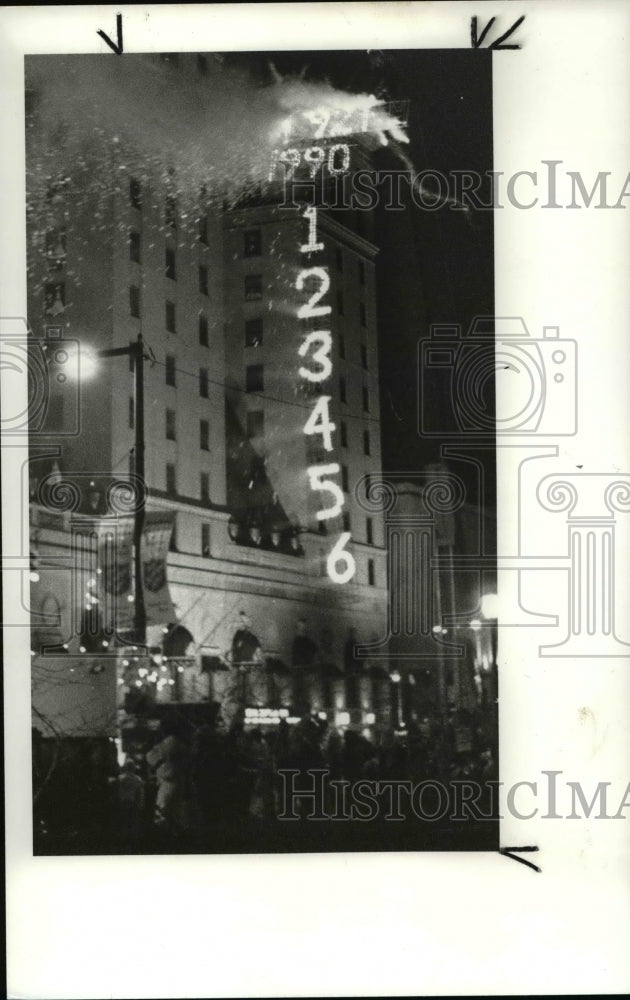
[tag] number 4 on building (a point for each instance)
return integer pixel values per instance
(319, 422)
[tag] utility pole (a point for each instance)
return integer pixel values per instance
(135, 350)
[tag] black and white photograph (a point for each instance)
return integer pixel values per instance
(263, 601)
(315, 499)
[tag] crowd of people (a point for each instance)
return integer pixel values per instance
(194, 779)
(205, 776)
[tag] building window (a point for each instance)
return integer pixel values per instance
(55, 249)
(134, 301)
(323, 560)
(366, 399)
(170, 425)
(362, 314)
(203, 383)
(253, 287)
(252, 243)
(170, 263)
(203, 279)
(253, 332)
(170, 369)
(171, 479)
(255, 424)
(135, 193)
(203, 229)
(342, 389)
(205, 540)
(172, 545)
(203, 329)
(361, 272)
(345, 482)
(132, 412)
(346, 521)
(369, 531)
(366, 442)
(204, 486)
(364, 356)
(341, 340)
(371, 574)
(55, 299)
(204, 435)
(340, 302)
(254, 381)
(170, 211)
(339, 258)
(134, 247)
(202, 65)
(343, 433)
(170, 317)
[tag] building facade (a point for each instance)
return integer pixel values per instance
(214, 292)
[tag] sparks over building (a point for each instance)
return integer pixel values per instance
(211, 287)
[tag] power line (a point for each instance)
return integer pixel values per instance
(365, 417)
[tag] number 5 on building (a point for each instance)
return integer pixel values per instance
(316, 475)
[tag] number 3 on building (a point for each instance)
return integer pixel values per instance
(321, 355)
(340, 563)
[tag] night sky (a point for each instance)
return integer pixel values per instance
(433, 266)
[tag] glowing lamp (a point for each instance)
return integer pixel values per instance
(489, 606)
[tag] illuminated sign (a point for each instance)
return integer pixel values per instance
(335, 158)
(328, 122)
(269, 716)
(342, 115)
(315, 349)
(266, 713)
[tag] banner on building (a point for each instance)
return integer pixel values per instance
(115, 573)
(116, 565)
(156, 538)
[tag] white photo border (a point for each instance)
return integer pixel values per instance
(389, 924)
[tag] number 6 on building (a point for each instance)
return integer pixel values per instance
(315, 475)
(339, 555)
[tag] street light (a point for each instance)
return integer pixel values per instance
(489, 606)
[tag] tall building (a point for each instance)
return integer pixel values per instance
(216, 295)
